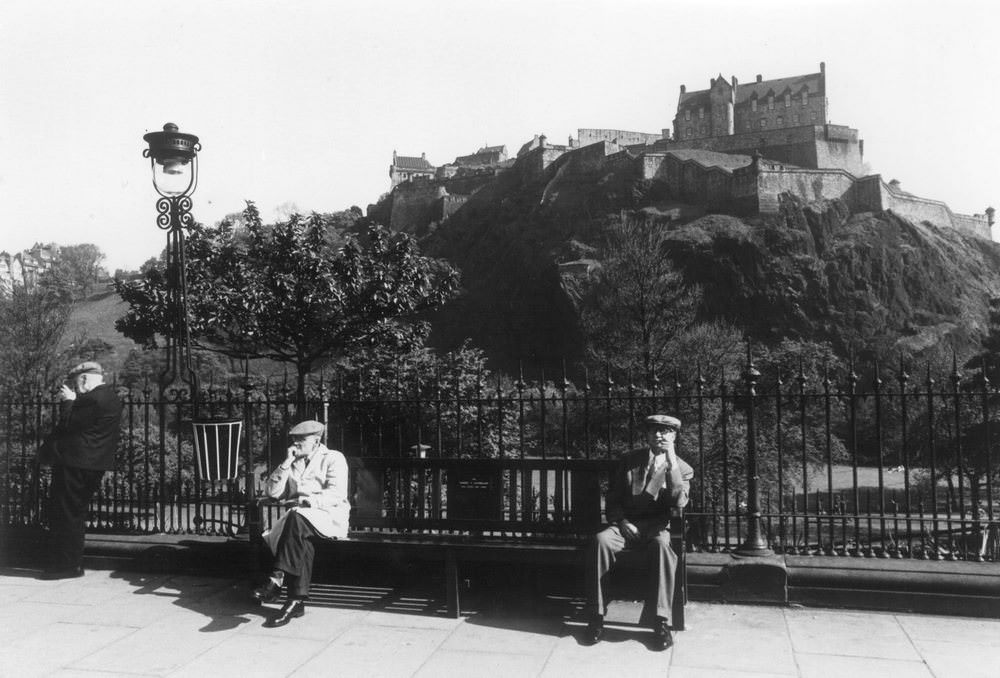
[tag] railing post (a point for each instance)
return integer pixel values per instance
(755, 544)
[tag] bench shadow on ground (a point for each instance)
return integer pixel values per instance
(226, 598)
(548, 605)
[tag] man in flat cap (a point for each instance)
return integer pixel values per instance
(313, 480)
(85, 441)
(647, 483)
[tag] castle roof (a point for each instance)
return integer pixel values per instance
(795, 84)
(745, 90)
(726, 161)
(411, 163)
(492, 149)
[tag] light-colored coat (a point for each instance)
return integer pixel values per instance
(322, 480)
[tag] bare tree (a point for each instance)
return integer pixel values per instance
(637, 301)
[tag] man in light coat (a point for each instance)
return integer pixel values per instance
(647, 483)
(313, 481)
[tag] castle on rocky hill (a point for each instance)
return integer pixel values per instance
(733, 148)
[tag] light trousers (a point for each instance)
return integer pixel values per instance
(661, 565)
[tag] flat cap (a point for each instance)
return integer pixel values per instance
(663, 420)
(306, 428)
(88, 367)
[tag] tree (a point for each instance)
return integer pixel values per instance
(78, 268)
(293, 292)
(637, 301)
(32, 323)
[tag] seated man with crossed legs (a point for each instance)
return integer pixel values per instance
(313, 480)
(647, 483)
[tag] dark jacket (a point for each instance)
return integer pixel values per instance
(624, 502)
(88, 430)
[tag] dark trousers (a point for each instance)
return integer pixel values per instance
(295, 554)
(661, 564)
(69, 500)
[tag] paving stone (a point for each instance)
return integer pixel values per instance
(832, 666)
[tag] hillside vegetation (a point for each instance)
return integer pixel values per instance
(871, 283)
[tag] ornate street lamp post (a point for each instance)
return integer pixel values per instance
(173, 158)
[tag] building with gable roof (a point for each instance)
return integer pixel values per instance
(487, 156)
(729, 107)
(405, 168)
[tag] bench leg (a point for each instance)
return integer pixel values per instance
(451, 584)
(680, 592)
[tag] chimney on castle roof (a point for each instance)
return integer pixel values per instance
(735, 82)
(759, 78)
(423, 156)
(822, 67)
(683, 89)
(989, 215)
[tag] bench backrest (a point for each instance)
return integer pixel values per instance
(540, 497)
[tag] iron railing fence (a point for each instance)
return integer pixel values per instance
(884, 465)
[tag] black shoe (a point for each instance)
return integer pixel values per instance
(65, 573)
(296, 607)
(661, 635)
(595, 629)
(268, 593)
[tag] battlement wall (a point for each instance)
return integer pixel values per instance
(586, 136)
(810, 146)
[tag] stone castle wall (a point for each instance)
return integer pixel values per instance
(812, 146)
(585, 137)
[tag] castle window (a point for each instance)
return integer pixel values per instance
(753, 105)
(687, 114)
(788, 99)
(796, 118)
(770, 102)
(763, 123)
(703, 130)
(805, 98)
(781, 121)
(814, 116)
(701, 113)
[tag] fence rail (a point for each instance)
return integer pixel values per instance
(872, 465)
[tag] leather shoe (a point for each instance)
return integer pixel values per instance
(65, 573)
(594, 631)
(661, 635)
(268, 593)
(296, 607)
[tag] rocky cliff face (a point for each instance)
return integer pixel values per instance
(874, 283)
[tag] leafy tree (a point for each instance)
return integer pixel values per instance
(78, 268)
(637, 301)
(295, 292)
(32, 323)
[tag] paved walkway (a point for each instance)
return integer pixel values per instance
(127, 624)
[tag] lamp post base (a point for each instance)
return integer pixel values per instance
(755, 551)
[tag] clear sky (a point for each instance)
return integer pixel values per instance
(303, 102)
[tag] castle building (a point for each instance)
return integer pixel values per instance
(487, 156)
(405, 168)
(728, 107)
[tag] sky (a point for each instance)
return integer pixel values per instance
(300, 104)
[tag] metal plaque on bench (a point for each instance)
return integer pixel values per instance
(474, 494)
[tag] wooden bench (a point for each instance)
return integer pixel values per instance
(459, 511)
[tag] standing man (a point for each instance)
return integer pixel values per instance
(647, 483)
(313, 480)
(85, 441)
